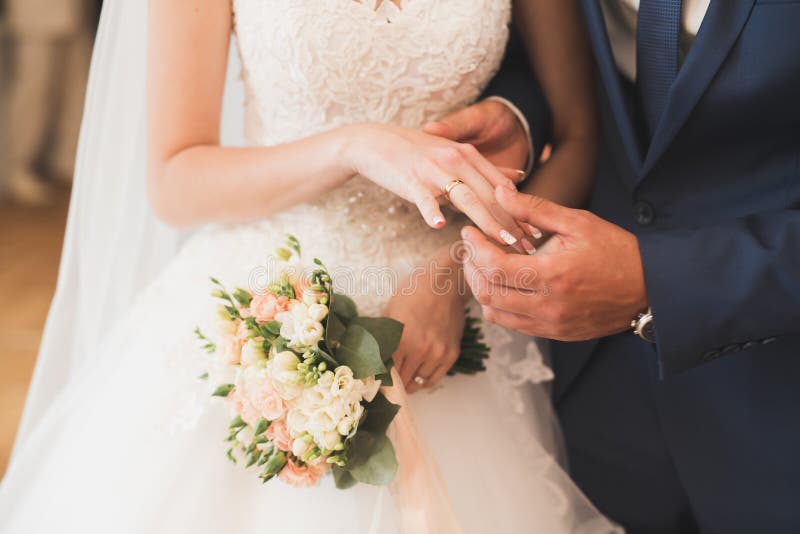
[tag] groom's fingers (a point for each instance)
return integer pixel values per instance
(538, 211)
(464, 125)
(496, 265)
(513, 321)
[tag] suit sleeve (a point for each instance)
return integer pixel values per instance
(516, 83)
(721, 289)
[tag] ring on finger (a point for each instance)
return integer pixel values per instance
(420, 381)
(450, 186)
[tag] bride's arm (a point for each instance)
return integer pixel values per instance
(560, 55)
(192, 179)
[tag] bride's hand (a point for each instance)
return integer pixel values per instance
(420, 167)
(431, 308)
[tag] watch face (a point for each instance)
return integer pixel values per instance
(649, 331)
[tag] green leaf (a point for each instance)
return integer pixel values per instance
(386, 331)
(342, 478)
(334, 331)
(261, 427)
(379, 415)
(377, 464)
(281, 344)
(204, 376)
(270, 329)
(237, 423)
(360, 351)
(343, 306)
(223, 390)
(242, 297)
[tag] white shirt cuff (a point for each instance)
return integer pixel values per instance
(525, 126)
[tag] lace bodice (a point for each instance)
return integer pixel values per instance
(313, 65)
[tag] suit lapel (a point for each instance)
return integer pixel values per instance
(721, 27)
(609, 75)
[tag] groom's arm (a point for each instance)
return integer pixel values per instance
(516, 83)
(721, 289)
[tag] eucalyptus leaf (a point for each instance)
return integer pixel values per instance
(386, 331)
(334, 331)
(379, 464)
(360, 351)
(223, 390)
(343, 306)
(342, 478)
(379, 415)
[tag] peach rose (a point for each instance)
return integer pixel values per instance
(265, 307)
(230, 349)
(255, 398)
(304, 476)
(279, 435)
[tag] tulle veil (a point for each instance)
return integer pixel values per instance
(113, 244)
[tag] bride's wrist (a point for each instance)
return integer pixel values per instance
(353, 140)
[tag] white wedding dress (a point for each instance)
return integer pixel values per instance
(135, 444)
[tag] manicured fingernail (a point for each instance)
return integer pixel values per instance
(521, 173)
(532, 231)
(507, 238)
(528, 246)
(438, 221)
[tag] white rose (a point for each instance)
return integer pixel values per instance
(297, 421)
(343, 381)
(336, 410)
(315, 398)
(288, 330)
(320, 422)
(325, 380)
(253, 352)
(345, 425)
(317, 312)
(310, 333)
(299, 311)
(370, 388)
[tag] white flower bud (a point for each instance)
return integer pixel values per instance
(245, 436)
(311, 332)
(317, 312)
(253, 352)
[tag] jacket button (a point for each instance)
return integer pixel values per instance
(644, 213)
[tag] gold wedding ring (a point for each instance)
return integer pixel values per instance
(452, 185)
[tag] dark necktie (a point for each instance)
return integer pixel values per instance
(656, 55)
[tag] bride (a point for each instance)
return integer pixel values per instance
(119, 435)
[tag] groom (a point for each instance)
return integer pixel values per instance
(690, 423)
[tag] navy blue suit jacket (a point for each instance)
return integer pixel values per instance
(714, 200)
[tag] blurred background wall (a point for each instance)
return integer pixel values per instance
(45, 49)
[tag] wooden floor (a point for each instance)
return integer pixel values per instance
(30, 247)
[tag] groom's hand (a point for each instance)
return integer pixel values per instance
(491, 127)
(586, 282)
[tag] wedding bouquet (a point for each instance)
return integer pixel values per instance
(302, 371)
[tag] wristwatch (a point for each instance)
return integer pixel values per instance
(643, 326)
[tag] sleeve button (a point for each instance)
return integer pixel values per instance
(644, 213)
